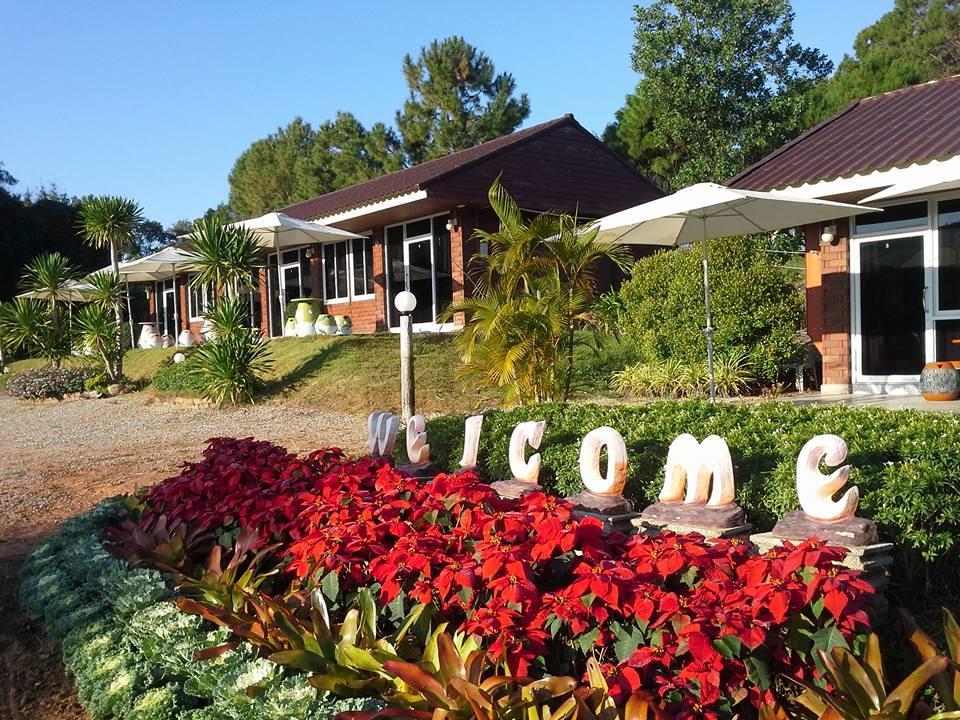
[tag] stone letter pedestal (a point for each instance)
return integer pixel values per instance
(614, 511)
(515, 488)
(858, 536)
(721, 521)
(420, 471)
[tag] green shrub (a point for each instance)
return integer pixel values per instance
(177, 379)
(757, 312)
(49, 382)
(905, 463)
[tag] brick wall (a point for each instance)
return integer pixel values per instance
(828, 304)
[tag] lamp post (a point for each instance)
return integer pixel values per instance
(406, 303)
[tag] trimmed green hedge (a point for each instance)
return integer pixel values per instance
(906, 464)
(130, 650)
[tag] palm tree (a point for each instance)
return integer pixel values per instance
(98, 322)
(227, 256)
(48, 277)
(575, 255)
(111, 222)
(536, 288)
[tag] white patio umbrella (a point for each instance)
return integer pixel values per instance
(157, 266)
(278, 231)
(707, 210)
(71, 291)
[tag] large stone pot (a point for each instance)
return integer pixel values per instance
(940, 381)
(306, 315)
(326, 325)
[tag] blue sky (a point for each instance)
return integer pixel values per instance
(156, 100)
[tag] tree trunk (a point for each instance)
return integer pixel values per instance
(115, 369)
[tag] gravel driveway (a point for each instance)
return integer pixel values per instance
(59, 459)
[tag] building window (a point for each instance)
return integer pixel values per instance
(348, 269)
(335, 271)
(199, 298)
(362, 251)
(893, 218)
(948, 255)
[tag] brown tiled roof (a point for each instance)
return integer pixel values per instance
(419, 177)
(910, 125)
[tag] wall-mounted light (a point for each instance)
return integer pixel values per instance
(308, 252)
(828, 235)
(451, 224)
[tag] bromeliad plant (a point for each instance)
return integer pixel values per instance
(705, 624)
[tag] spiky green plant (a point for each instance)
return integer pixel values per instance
(535, 288)
(98, 330)
(231, 367)
(732, 374)
(48, 277)
(227, 315)
(227, 256)
(110, 222)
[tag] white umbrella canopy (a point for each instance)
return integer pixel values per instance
(707, 210)
(71, 291)
(279, 231)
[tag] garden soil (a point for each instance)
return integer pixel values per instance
(60, 459)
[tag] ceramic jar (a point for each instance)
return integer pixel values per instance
(326, 325)
(186, 339)
(306, 317)
(940, 381)
(149, 337)
(344, 324)
(290, 327)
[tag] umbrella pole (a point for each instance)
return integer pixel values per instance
(176, 310)
(280, 292)
(133, 339)
(708, 331)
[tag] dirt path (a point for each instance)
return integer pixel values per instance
(59, 459)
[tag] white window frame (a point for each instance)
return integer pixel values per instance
(930, 232)
(351, 295)
(281, 285)
(367, 271)
(433, 326)
(205, 291)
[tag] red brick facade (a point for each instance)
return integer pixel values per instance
(828, 303)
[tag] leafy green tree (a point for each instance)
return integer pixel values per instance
(149, 237)
(111, 222)
(456, 100)
(275, 171)
(722, 83)
(632, 135)
(298, 162)
(917, 41)
(757, 312)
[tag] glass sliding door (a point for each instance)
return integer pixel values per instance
(418, 260)
(288, 278)
(892, 296)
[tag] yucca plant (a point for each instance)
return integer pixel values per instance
(732, 374)
(26, 326)
(227, 255)
(227, 315)
(633, 380)
(97, 333)
(48, 277)
(111, 222)
(231, 367)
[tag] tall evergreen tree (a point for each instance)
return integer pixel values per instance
(456, 100)
(722, 83)
(917, 41)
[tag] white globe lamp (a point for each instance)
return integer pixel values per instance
(405, 302)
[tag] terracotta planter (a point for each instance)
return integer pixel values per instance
(940, 381)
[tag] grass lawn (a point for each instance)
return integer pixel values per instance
(358, 373)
